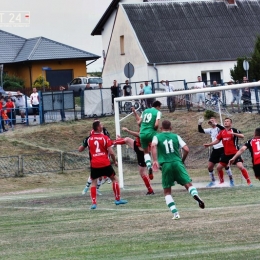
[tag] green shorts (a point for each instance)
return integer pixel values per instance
(146, 139)
(174, 172)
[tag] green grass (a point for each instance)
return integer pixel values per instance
(54, 222)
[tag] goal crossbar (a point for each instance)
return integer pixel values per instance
(164, 94)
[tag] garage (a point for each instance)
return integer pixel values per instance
(59, 77)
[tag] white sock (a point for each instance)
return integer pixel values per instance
(147, 159)
(170, 203)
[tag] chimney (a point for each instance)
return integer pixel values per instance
(231, 2)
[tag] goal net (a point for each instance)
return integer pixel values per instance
(217, 101)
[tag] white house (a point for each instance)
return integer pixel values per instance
(177, 40)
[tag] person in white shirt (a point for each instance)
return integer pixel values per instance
(34, 97)
(200, 96)
(170, 100)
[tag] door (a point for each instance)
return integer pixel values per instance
(59, 77)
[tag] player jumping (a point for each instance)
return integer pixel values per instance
(166, 146)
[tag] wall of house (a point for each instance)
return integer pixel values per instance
(115, 61)
(190, 71)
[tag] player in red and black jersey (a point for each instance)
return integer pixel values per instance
(229, 137)
(253, 145)
(100, 148)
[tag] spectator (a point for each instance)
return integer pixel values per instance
(2, 105)
(114, 92)
(61, 100)
(20, 103)
(246, 97)
(148, 90)
(245, 79)
(215, 94)
(10, 107)
(141, 92)
(168, 88)
(88, 87)
(127, 89)
(236, 97)
(35, 103)
(200, 96)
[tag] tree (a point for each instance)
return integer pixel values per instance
(12, 82)
(41, 83)
(255, 60)
(254, 65)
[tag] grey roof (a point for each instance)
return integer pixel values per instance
(17, 49)
(176, 32)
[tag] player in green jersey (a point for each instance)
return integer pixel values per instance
(165, 147)
(149, 121)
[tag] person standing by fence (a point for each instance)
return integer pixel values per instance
(200, 96)
(2, 100)
(35, 102)
(20, 103)
(169, 88)
(148, 90)
(61, 100)
(114, 92)
(10, 106)
(127, 89)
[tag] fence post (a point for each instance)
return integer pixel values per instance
(62, 161)
(82, 104)
(153, 88)
(257, 99)
(224, 95)
(41, 114)
(187, 96)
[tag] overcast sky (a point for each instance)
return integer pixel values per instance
(70, 22)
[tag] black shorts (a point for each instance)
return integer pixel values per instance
(256, 169)
(215, 155)
(35, 108)
(96, 173)
(140, 156)
(224, 159)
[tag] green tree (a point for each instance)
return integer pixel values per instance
(12, 82)
(238, 72)
(255, 60)
(41, 83)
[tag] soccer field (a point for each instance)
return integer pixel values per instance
(55, 223)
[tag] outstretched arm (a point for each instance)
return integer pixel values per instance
(212, 143)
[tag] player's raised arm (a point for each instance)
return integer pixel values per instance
(200, 129)
(136, 134)
(154, 153)
(84, 145)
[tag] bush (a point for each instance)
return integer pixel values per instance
(12, 82)
(40, 82)
(208, 114)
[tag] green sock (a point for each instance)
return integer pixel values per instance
(193, 191)
(170, 203)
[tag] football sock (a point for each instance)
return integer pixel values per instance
(211, 175)
(221, 176)
(119, 141)
(147, 159)
(229, 173)
(93, 195)
(88, 183)
(170, 203)
(245, 175)
(147, 183)
(99, 182)
(116, 190)
(193, 191)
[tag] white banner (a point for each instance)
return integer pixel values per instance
(97, 102)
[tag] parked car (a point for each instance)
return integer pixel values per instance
(79, 84)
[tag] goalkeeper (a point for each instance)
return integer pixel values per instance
(217, 150)
(149, 121)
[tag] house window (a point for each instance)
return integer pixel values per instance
(122, 45)
(209, 76)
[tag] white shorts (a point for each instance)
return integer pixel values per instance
(200, 96)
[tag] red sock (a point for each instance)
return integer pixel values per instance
(93, 195)
(116, 190)
(147, 183)
(221, 176)
(119, 141)
(245, 175)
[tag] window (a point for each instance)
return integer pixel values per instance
(122, 45)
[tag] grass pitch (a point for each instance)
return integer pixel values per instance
(51, 220)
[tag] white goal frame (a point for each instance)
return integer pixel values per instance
(164, 94)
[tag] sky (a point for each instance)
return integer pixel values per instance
(66, 21)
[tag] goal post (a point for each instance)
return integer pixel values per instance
(160, 95)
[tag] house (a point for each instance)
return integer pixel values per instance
(178, 40)
(29, 58)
